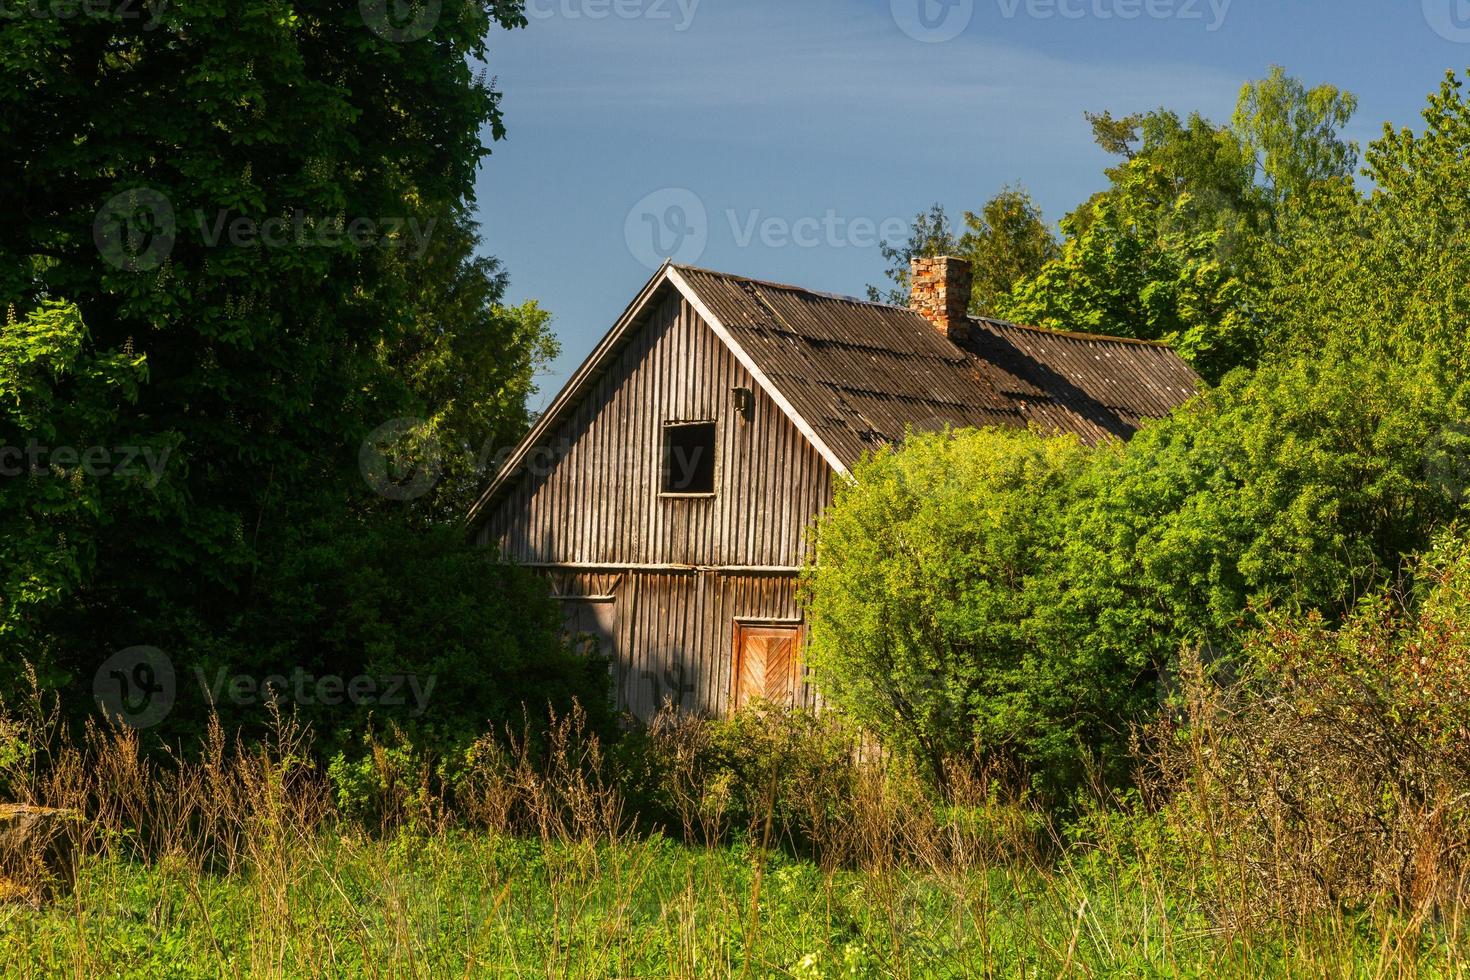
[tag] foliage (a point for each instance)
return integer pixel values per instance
(1134, 269)
(268, 209)
(1194, 156)
(1292, 132)
(1385, 276)
(239, 863)
(1005, 242)
(57, 400)
(1300, 487)
(918, 597)
(784, 777)
(469, 364)
(458, 903)
(1174, 249)
(996, 592)
(1355, 735)
(464, 642)
(1167, 253)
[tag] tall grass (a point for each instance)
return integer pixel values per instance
(764, 846)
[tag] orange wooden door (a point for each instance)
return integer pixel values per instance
(767, 664)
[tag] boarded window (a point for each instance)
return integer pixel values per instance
(767, 664)
(689, 458)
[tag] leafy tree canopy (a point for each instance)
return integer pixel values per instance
(1385, 276)
(1006, 242)
(1177, 247)
(266, 207)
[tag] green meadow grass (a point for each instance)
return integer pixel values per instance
(475, 904)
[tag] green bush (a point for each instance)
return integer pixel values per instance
(1298, 487)
(921, 595)
(999, 594)
(1335, 770)
(767, 772)
(480, 640)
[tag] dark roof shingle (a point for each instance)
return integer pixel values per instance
(863, 374)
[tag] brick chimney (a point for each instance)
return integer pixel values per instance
(941, 293)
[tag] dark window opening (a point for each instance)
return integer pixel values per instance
(689, 458)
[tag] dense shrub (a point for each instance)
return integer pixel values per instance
(785, 776)
(456, 642)
(921, 593)
(1001, 594)
(1300, 486)
(1336, 771)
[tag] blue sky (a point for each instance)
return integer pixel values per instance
(782, 139)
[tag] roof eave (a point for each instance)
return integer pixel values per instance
(760, 376)
(585, 373)
(591, 368)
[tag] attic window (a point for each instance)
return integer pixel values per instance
(688, 459)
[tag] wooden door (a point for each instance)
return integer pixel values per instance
(767, 664)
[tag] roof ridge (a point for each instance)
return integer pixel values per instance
(1070, 334)
(792, 288)
(859, 301)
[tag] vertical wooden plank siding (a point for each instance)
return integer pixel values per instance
(682, 635)
(590, 498)
(591, 495)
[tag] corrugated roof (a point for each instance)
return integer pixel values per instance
(858, 375)
(863, 374)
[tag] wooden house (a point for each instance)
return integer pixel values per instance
(668, 491)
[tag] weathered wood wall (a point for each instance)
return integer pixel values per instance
(592, 494)
(681, 571)
(670, 634)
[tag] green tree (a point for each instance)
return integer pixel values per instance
(1299, 486)
(997, 593)
(1132, 269)
(1006, 243)
(1292, 132)
(1177, 248)
(1163, 253)
(267, 204)
(1191, 157)
(478, 637)
(470, 365)
(1386, 275)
